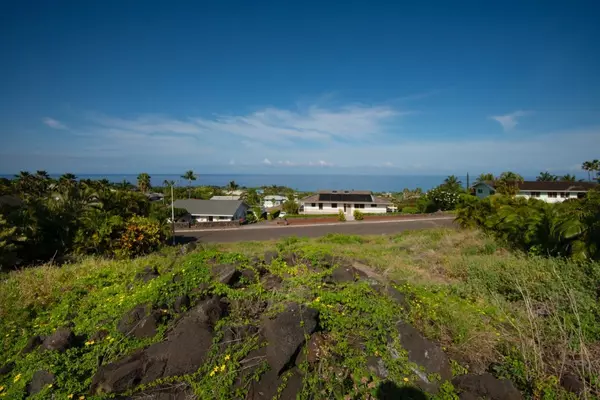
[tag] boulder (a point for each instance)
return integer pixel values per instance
(345, 273)
(225, 273)
(100, 335)
(270, 256)
(33, 343)
(119, 376)
(571, 382)
(314, 350)
(398, 297)
(60, 340)
(485, 386)
(426, 354)
(140, 322)
(249, 275)
(168, 392)
(182, 352)
(7, 368)
(377, 367)
(269, 383)
(285, 334)
(40, 380)
(147, 274)
(182, 303)
(271, 282)
(187, 248)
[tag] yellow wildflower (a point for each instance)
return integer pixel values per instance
(50, 385)
(1, 388)
(212, 373)
(222, 367)
(405, 379)
(81, 397)
(227, 357)
(17, 378)
(70, 396)
(318, 299)
(89, 343)
(216, 369)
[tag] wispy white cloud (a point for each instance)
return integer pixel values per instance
(54, 124)
(509, 121)
(266, 161)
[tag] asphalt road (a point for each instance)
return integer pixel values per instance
(270, 233)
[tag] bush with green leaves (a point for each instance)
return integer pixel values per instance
(358, 215)
(444, 198)
(425, 205)
(410, 210)
(341, 216)
(571, 228)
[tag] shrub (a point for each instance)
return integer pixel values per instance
(275, 214)
(358, 215)
(141, 236)
(341, 216)
(425, 205)
(290, 207)
(444, 198)
(410, 210)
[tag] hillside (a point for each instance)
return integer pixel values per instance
(439, 313)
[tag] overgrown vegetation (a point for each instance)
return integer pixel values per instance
(570, 228)
(524, 317)
(43, 218)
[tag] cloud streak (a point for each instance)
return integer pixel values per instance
(54, 124)
(510, 121)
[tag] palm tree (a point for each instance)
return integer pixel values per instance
(596, 167)
(484, 178)
(508, 183)
(42, 174)
(546, 177)
(231, 186)
(143, 182)
(587, 166)
(168, 183)
(189, 176)
(452, 182)
(568, 178)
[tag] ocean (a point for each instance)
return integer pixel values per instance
(308, 183)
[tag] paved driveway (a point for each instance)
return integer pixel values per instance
(351, 228)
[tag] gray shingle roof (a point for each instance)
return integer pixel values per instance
(226, 208)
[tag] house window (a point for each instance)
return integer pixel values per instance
(535, 194)
(479, 190)
(359, 206)
(564, 195)
(313, 204)
(333, 205)
(580, 195)
(373, 205)
(552, 195)
(320, 206)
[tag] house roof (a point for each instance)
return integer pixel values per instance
(231, 197)
(275, 197)
(344, 196)
(552, 186)
(209, 207)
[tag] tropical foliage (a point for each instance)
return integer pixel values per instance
(46, 219)
(546, 177)
(571, 228)
(143, 182)
(592, 168)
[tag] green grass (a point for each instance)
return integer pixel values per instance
(529, 317)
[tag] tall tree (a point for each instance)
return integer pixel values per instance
(189, 176)
(143, 182)
(231, 186)
(568, 178)
(452, 182)
(587, 166)
(546, 177)
(251, 197)
(595, 168)
(508, 183)
(484, 178)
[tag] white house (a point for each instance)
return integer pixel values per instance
(273, 201)
(331, 201)
(213, 210)
(550, 192)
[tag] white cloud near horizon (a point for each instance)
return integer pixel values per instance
(510, 121)
(54, 124)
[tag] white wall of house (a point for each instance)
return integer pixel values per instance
(333, 208)
(273, 201)
(240, 213)
(550, 197)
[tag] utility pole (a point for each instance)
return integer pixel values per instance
(173, 213)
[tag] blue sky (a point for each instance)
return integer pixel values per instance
(316, 87)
